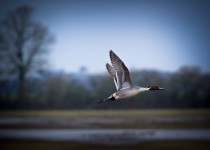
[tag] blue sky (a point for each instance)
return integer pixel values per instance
(146, 34)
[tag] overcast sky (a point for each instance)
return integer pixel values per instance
(145, 34)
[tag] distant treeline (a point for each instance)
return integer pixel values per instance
(188, 87)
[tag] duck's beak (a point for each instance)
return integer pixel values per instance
(155, 87)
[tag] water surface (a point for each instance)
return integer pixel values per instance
(108, 136)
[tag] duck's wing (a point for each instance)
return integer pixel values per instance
(122, 73)
(112, 72)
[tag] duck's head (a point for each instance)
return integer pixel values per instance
(155, 87)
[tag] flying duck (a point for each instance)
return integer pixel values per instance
(125, 87)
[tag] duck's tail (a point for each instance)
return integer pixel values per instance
(101, 101)
(110, 98)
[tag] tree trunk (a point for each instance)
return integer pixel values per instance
(21, 87)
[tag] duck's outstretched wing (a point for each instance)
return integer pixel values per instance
(122, 74)
(112, 72)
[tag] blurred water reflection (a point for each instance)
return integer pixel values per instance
(107, 136)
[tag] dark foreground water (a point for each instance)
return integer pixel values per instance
(106, 136)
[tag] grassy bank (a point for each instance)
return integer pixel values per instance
(109, 119)
(107, 113)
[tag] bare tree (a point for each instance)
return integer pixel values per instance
(23, 44)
